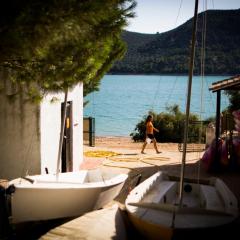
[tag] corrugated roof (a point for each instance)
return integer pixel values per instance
(232, 83)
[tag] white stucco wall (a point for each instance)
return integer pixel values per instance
(19, 129)
(19, 140)
(50, 127)
(30, 132)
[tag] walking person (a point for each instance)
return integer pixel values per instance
(150, 134)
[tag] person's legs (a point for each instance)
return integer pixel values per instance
(143, 147)
(155, 145)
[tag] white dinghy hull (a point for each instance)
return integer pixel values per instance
(152, 206)
(75, 193)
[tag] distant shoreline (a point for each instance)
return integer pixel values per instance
(169, 74)
(112, 136)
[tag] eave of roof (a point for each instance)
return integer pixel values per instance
(232, 83)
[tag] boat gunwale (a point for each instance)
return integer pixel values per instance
(39, 184)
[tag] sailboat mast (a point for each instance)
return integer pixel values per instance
(62, 133)
(191, 65)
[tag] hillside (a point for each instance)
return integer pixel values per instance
(168, 53)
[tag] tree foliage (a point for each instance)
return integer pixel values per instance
(51, 45)
(234, 99)
(171, 126)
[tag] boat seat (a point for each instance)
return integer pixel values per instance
(158, 193)
(211, 198)
(68, 177)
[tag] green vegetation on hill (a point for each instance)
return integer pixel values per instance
(168, 53)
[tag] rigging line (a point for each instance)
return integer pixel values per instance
(213, 4)
(155, 96)
(178, 13)
(179, 9)
(171, 91)
(203, 52)
(156, 93)
(211, 95)
(29, 149)
(26, 161)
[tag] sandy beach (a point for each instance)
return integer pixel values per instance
(130, 154)
(122, 154)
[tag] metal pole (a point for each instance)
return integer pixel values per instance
(61, 134)
(92, 132)
(191, 64)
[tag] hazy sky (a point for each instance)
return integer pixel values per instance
(162, 15)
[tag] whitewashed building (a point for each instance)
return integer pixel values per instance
(30, 133)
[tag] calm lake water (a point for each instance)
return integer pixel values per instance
(123, 100)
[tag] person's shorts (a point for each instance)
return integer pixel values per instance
(151, 136)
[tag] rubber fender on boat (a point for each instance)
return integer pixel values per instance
(11, 189)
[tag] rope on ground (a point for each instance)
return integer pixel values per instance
(140, 159)
(101, 153)
(123, 159)
(109, 165)
(157, 158)
(113, 161)
(133, 159)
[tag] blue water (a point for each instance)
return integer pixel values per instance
(123, 100)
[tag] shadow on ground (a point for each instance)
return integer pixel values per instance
(137, 175)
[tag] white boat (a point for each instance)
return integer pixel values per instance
(160, 206)
(154, 210)
(61, 195)
(42, 197)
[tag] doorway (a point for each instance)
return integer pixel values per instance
(67, 147)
